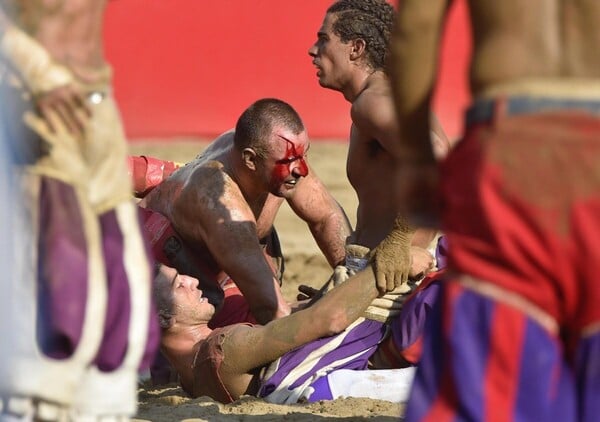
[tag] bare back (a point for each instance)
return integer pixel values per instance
(213, 189)
(221, 226)
(71, 30)
(552, 42)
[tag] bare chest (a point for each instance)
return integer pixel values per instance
(368, 163)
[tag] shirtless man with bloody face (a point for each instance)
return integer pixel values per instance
(222, 206)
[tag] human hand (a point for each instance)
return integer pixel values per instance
(64, 106)
(391, 264)
(307, 292)
(56, 97)
(341, 273)
(422, 262)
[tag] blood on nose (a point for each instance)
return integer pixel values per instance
(301, 169)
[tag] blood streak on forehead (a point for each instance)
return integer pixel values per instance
(293, 153)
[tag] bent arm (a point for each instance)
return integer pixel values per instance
(414, 51)
(238, 252)
(325, 217)
(148, 172)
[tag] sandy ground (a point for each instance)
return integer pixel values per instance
(304, 264)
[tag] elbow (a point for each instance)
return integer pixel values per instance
(264, 315)
(335, 322)
(270, 311)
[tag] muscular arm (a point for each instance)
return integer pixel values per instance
(211, 211)
(252, 347)
(326, 219)
(414, 52)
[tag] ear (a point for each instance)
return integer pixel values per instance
(359, 47)
(165, 319)
(249, 158)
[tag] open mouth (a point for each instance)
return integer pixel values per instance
(319, 71)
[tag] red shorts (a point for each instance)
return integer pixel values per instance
(522, 209)
(485, 360)
(519, 338)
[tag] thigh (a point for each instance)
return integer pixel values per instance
(484, 360)
(587, 366)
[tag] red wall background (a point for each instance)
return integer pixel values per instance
(190, 67)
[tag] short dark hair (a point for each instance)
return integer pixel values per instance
(163, 299)
(254, 127)
(370, 20)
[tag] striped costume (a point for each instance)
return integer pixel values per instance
(516, 336)
(79, 301)
(302, 373)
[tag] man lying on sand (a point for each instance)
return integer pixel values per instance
(287, 359)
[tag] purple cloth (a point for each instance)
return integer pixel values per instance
(63, 281)
(409, 326)
(314, 360)
(548, 385)
(62, 270)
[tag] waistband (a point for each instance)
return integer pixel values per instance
(484, 109)
(501, 295)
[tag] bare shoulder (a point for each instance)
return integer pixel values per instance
(240, 348)
(219, 146)
(373, 111)
(209, 190)
(206, 177)
(374, 99)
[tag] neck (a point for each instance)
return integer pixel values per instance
(254, 194)
(360, 83)
(180, 345)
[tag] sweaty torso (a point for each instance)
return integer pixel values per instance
(554, 42)
(370, 168)
(71, 31)
(213, 188)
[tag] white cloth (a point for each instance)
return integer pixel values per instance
(382, 308)
(382, 384)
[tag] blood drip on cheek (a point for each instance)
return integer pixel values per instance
(283, 167)
(280, 173)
